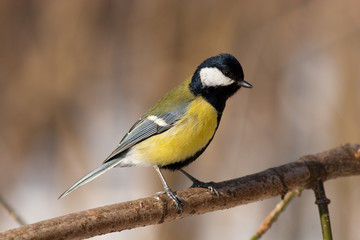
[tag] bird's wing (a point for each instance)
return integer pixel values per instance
(146, 127)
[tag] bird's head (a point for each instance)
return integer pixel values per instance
(218, 78)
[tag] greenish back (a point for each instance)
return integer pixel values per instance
(177, 98)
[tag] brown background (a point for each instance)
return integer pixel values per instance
(75, 75)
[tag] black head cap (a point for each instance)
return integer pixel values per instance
(227, 64)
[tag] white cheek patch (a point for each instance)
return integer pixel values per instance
(158, 121)
(213, 77)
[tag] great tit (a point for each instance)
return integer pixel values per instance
(179, 127)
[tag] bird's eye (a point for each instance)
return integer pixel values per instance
(227, 73)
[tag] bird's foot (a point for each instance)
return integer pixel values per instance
(208, 185)
(175, 198)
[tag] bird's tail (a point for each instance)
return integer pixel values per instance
(92, 175)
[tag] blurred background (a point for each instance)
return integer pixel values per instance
(75, 76)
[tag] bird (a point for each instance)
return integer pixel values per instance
(179, 127)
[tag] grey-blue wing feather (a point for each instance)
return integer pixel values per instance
(145, 128)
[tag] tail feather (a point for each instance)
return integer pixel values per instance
(92, 175)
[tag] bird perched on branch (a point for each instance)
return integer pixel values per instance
(179, 127)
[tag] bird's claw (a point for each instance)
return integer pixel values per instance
(175, 198)
(208, 185)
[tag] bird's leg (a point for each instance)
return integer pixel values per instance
(169, 192)
(198, 183)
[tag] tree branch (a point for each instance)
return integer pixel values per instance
(339, 162)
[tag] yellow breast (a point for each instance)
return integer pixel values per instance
(189, 135)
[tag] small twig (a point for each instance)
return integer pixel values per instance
(322, 201)
(12, 212)
(274, 215)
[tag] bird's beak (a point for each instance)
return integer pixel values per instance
(245, 84)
